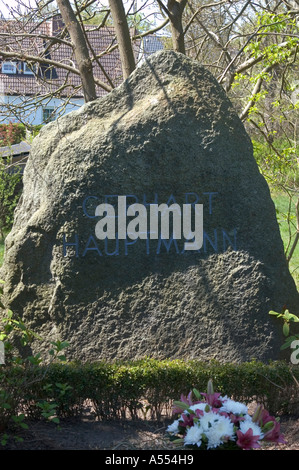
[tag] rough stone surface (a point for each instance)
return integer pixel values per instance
(170, 131)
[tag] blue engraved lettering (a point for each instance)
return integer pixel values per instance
(85, 208)
(227, 240)
(145, 203)
(193, 202)
(167, 244)
(74, 244)
(116, 251)
(211, 194)
(171, 200)
(91, 248)
(129, 197)
(214, 244)
(128, 243)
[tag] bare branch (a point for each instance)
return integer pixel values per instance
(256, 90)
(123, 37)
(50, 62)
(199, 10)
(80, 49)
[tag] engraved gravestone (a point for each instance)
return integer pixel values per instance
(168, 135)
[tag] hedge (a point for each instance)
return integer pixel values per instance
(12, 133)
(146, 388)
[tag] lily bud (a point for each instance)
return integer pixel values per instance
(257, 414)
(268, 426)
(210, 387)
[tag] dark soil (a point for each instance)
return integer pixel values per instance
(89, 434)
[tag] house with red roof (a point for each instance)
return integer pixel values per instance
(37, 68)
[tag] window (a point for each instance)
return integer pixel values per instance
(9, 67)
(28, 70)
(48, 115)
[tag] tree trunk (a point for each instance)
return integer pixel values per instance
(175, 9)
(123, 37)
(80, 49)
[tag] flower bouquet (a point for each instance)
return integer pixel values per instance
(215, 422)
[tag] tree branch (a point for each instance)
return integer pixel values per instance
(123, 37)
(255, 91)
(54, 63)
(80, 49)
(92, 49)
(202, 7)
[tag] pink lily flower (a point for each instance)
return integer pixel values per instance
(274, 434)
(213, 399)
(248, 441)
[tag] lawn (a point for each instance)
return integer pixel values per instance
(286, 217)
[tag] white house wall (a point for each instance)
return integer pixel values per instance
(30, 110)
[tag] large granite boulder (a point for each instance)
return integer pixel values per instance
(167, 135)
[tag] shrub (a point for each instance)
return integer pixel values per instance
(23, 384)
(147, 388)
(10, 192)
(32, 387)
(11, 134)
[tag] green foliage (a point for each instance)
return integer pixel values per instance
(10, 191)
(148, 387)
(48, 411)
(288, 318)
(285, 205)
(34, 130)
(11, 134)
(21, 371)
(276, 23)
(31, 387)
(272, 113)
(277, 160)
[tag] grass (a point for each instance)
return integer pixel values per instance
(286, 217)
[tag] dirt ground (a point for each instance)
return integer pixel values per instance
(88, 434)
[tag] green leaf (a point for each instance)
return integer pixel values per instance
(177, 441)
(293, 318)
(4, 439)
(286, 329)
(274, 313)
(6, 406)
(197, 394)
(62, 358)
(269, 425)
(288, 342)
(35, 360)
(181, 404)
(59, 345)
